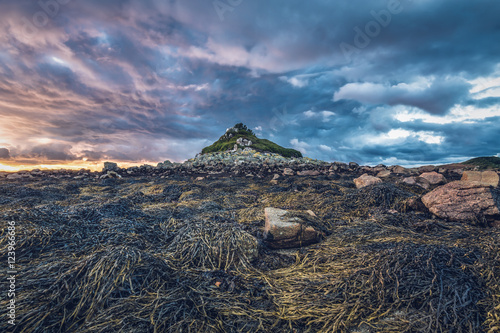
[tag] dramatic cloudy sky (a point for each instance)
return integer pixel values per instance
(395, 82)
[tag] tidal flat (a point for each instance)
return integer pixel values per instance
(145, 254)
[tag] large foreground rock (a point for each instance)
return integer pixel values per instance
(283, 233)
(485, 178)
(462, 201)
(366, 180)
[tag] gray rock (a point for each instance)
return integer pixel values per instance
(110, 166)
(353, 165)
(244, 142)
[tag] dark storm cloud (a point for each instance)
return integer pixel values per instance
(4, 153)
(436, 97)
(149, 80)
(53, 152)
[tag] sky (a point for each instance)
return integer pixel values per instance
(407, 82)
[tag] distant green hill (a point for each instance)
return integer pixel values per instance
(240, 131)
(491, 162)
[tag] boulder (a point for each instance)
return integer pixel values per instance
(426, 168)
(14, 176)
(462, 201)
(419, 181)
(110, 166)
(410, 180)
(383, 174)
(338, 166)
(366, 180)
(485, 178)
(433, 177)
(283, 232)
(399, 169)
(244, 142)
(288, 172)
(379, 168)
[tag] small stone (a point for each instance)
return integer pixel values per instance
(199, 178)
(309, 173)
(288, 172)
(14, 176)
(310, 212)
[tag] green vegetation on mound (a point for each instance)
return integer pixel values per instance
(230, 138)
(491, 162)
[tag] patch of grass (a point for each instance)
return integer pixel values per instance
(491, 162)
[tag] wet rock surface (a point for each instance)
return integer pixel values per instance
(283, 232)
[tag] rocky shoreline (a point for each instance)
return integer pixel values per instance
(246, 162)
(246, 241)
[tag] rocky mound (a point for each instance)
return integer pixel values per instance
(239, 137)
